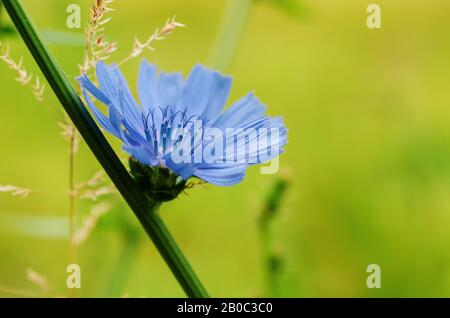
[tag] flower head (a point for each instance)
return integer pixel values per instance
(180, 125)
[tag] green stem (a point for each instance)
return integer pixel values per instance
(144, 209)
(272, 261)
(227, 40)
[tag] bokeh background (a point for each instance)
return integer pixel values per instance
(367, 164)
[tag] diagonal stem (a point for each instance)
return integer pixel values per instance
(144, 209)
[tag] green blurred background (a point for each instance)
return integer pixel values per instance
(368, 159)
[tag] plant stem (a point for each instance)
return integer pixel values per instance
(144, 209)
(229, 34)
(265, 238)
(272, 261)
(72, 246)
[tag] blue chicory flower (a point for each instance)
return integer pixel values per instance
(170, 103)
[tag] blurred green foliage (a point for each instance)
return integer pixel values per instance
(293, 8)
(367, 112)
(4, 28)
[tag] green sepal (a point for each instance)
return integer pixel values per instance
(158, 182)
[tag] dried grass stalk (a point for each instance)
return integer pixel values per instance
(90, 222)
(159, 34)
(15, 191)
(97, 48)
(23, 76)
(37, 279)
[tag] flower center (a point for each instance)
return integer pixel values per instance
(159, 126)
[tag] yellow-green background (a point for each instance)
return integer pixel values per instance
(368, 154)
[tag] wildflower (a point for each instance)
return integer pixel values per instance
(174, 120)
